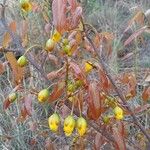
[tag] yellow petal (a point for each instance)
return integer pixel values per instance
(88, 67)
(119, 117)
(56, 36)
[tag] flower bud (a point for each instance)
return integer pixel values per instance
(54, 121)
(118, 113)
(81, 126)
(43, 95)
(69, 125)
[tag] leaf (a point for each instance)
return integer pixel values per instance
(76, 17)
(104, 82)
(57, 92)
(23, 32)
(146, 94)
(49, 145)
(118, 133)
(135, 35)
(99, 141)
(59, 14)
(78, 73)
(56, 74)
(6, 104)
(130, 80)
(28, 104)
(53, 58)
(18, 72)
(6, 40)
(138, 18)
(13, 26)
(93, 101)
(107, 39)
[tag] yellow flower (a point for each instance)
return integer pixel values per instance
(56, 36)
(81, 126)
(43, 95)
(69, 125)
(118, 113)
(88, 67)
(119, 117)
(54, 121)
(25, 5)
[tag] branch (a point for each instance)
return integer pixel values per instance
(120, 95)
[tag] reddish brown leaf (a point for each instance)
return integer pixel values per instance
(57, 92)
(93, 101)
(73, 5)
(53, 58)
(13, 26)
(56, 74)
(146, 94)
(104, 82)
(28, 104)
(97, 40)
(18, 72)
(6, 104)
(49, 145)
(99, 141)
(23, 32)
(59, 14)
(138, 18)
(24, 112)
(6, 40)
(118, 131)
(76, 17)
(78, 73)
(135, 35)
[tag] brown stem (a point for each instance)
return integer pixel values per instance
(117, 89)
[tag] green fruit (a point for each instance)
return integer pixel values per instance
(43, 95)
(50, 44)
(67, 49)
(65, 41)
(12, 97)
(71, 87)
(22, 61)
(106, 119)
(78, 83)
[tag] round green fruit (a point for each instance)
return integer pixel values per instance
(43, 95)
(12, 97)
(22, 61)
(50, 44)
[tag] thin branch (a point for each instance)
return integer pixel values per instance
(120, 95)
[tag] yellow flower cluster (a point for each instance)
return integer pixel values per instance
(118, 112)
(69, 124)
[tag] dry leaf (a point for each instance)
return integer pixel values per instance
(18, 72)
(6, 40)
(13, 26)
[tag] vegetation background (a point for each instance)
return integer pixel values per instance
(22, 132)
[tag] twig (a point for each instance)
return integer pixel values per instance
(120, 95)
